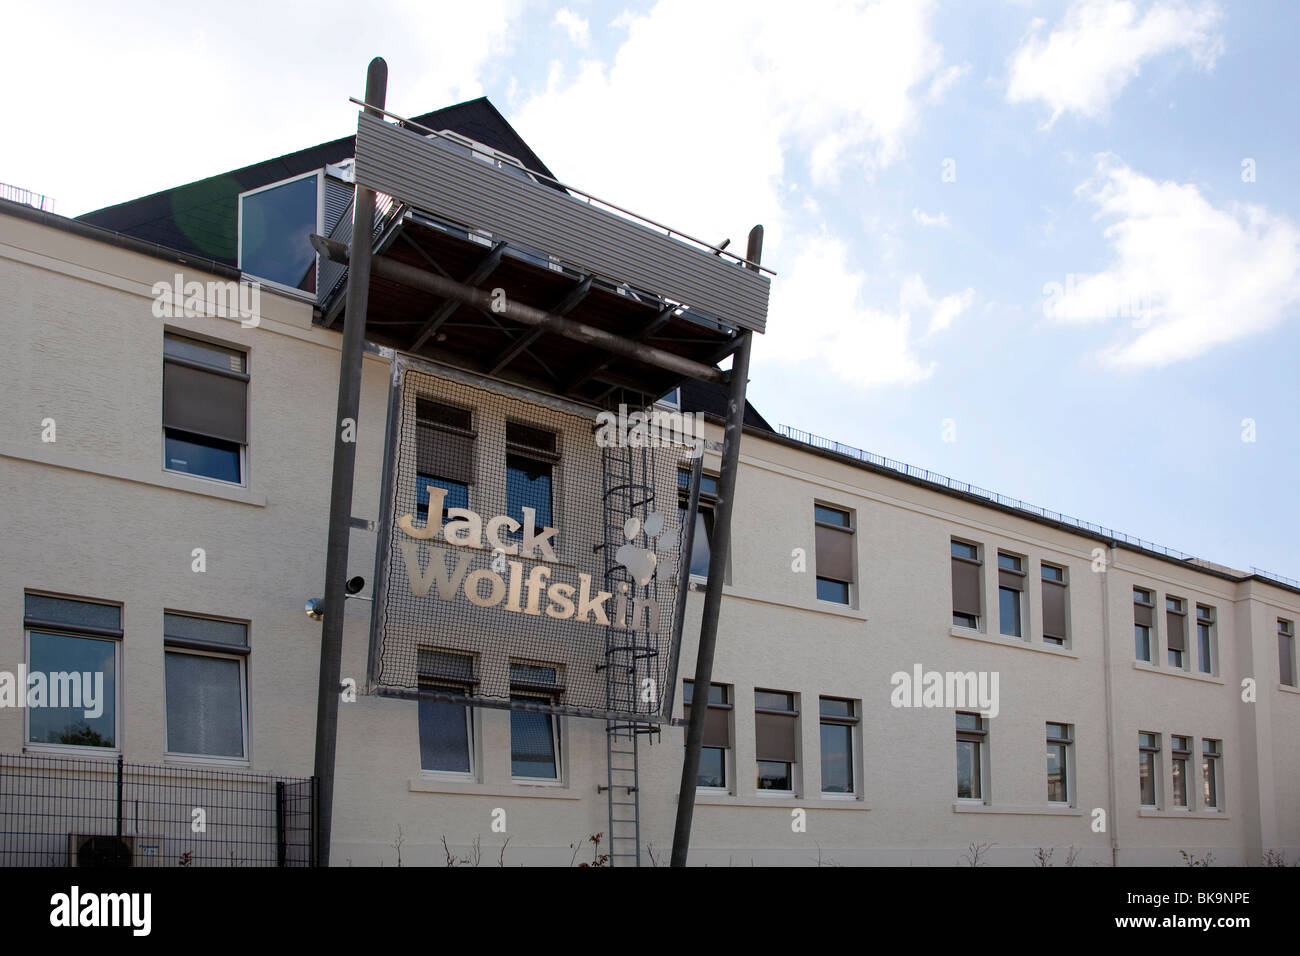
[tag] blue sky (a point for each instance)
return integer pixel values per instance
(925, 173)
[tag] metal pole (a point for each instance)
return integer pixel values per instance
(345, 455)
(720, 549)
(280, 847)
(684, 579)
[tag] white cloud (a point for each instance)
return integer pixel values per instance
(925, 219)
(249, 94)
(701, 113)
(944, 80)
(1082, 65)
(704, 119)
(1187, 276)
(915, 299)
(577, 27)
(817, 316)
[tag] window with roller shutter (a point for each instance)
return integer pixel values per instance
(838, 726)
(966, 601)
(446, 727)
(702, 538)
(776, 739)
(1054, 602)
(205, 668)
(717, 734)
(1286, 652)
(1144, 607)
(1011, 597)
(1176, 631)
(444, 447)
(204, 408)
(1207, 653)
(834, 539)
(535, 736)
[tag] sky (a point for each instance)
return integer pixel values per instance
(1049, 248)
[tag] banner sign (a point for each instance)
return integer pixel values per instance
(530, 553)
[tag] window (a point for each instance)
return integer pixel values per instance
(1059, 744)
(703, 534)
(972, 732)
(1011, 586)
(834, 540)
(1180, 754)
(965, 584)
(838, 720)
(1286, 652)
(534, 736)
(717, 734)
(444, 453)
(1211, 757)
(1148, 768)
(530, 460)
(1205, 639)
(446, 727)
(204, 409)
(205, 666)
(1143, 612)
(1054, 601)
(776, 722)
(75, 645)
(275, 225)
(1176, 624)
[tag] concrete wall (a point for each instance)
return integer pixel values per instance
(94, 515)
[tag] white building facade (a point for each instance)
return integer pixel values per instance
(905, 674)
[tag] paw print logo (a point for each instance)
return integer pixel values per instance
(640, 562)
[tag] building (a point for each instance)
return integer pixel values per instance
(166, 478)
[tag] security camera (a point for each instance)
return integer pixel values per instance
(315, 609)
(354, 585)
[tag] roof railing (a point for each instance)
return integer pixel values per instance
(1289, 582)
(26, 197)
(924, 474)
(716, 249)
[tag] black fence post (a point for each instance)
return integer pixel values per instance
(315, 821)
(119, 795)
(280, 847)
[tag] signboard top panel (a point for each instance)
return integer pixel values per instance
(432, 176)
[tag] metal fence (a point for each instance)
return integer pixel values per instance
(26, 197)
(924, 474)
(72, 811)
(1289, 582)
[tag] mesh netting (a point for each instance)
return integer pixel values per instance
(514, 574)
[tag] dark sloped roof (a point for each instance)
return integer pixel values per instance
(710, 399)
(202, 218)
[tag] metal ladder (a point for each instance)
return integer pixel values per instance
(627, 490)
